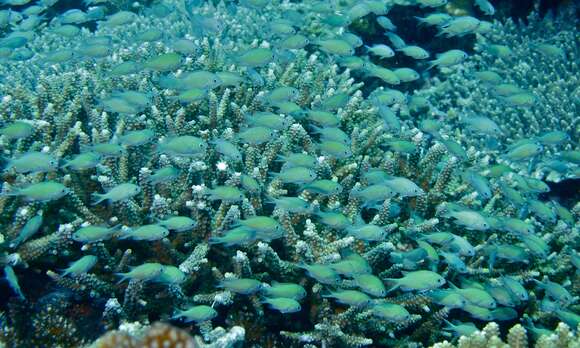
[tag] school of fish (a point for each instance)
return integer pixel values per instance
(312, 171)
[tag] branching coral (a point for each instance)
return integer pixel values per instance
(516, 338)
(201, 163)
(537, 59)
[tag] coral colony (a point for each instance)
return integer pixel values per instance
(276, 173)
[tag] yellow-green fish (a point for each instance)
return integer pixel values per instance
(41, 192)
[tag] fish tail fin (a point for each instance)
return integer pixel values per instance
(215, 240)
(316, 209)
(123, 277)
(431, 65)
(394, 287)
(124, 236)
(20, 294)
(449, 324)
(97, 198)
(301, 265)
(10, 194)
(15, 242)
(327, 293)
(270, 200)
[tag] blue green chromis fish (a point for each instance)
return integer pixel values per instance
(41, 192)
(197, 314)
(143, 272)
(245, 286)
(390, 312)
(12, 280)
(92, 234)
(350, 297)
(286, 290)
(118, 193)
(283, 305)
(28, 230)
(417, 281)
(236, 236)
(80, 266)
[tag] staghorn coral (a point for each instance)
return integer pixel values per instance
(66, 105)
(516, 337)
(550, 77)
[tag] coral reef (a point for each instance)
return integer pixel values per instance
(247, 173)
(539, 59)
(164, 335)
(489, 336)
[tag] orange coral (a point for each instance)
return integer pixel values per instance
(158, 335)
(115, 339)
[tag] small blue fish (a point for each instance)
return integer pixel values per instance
(296, 175)
(292, 204)
(41, 192)
(245, 286)
(350, 297)
(144, 272)
(478, 182)
(12, 279)
(80, 266)
(228, 150)
(322, 273)
(283, 305)
(164, 175)
(146, 232)
(33, 162)
(197, 314)
(28, 230)
(118, 193)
